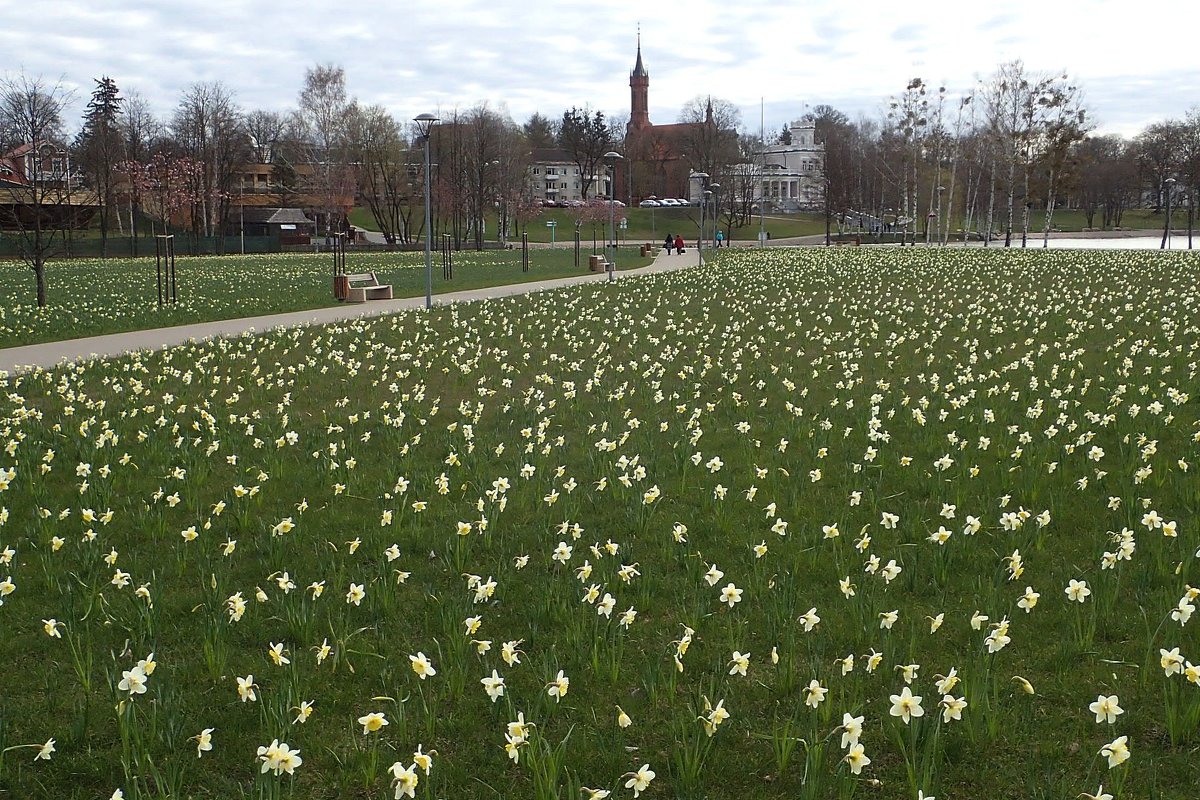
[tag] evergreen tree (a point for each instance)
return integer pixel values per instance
(98, 147)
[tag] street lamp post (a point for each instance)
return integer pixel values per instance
(653, 229)
(425, 123)
(716, 190)
(703, 178)
(1169, 183)
(611, 158)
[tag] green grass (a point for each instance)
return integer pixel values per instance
(1074, 220)
(644, 226)
(361, 217)
(818, 388)
(89, 297)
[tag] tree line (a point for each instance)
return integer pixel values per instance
(981, 162)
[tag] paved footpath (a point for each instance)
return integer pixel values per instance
(49, 354)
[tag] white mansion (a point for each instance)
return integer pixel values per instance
(793, 175)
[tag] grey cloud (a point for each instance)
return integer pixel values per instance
(541, 55)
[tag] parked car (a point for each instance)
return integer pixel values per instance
(617, 203)
(649, 204)
(668, 202)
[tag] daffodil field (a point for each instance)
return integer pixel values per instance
(799, 524)
(89, 297)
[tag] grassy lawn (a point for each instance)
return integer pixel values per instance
(652, 225)
(89, 297)
(644, 225)
(849, 474)
(1134, 219)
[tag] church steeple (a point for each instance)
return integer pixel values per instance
(639, 90)
(638, 70)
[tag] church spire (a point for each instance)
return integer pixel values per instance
(639, 71)
(639, 86)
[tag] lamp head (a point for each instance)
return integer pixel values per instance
(425, 123)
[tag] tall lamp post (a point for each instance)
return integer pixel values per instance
(653, 229)
(716, 190)
(703, 178)
(1169, 185)
(425, 123)
(611, 158)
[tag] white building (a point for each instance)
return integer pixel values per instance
(555, 178)
(793, 175)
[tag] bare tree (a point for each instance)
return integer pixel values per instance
(386, 171)
(833, 130)
(1189, 165)
(1063, 122)
(1158, 151)
(483, 129)
(908, 115)
(710, 141)
(208, 127)
(1013, 99)
(31, 116)
(139, 130)
(740, 185)
(450, 174)
(323, 111)
(267, 131)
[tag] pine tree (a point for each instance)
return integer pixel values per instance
(98, 146)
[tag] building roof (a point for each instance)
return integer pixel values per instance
(276, 216)
(552, 155)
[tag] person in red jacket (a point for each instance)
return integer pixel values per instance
(678, 243)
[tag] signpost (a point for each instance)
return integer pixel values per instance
(553, 226)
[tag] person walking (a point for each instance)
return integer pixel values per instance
(678, 244)
(669, 243)
(720, 238)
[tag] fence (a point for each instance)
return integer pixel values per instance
(11, 246)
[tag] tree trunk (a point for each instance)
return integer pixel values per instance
(948, 209)
(828, 215)
(1191, 215)
(1050, 209)
(1025, 207)
(987, 237)
(39, 275)
(1012, 194)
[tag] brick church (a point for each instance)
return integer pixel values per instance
(659, 158)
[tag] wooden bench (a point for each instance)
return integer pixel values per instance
(373, 290)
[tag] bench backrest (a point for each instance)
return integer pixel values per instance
(363, 276)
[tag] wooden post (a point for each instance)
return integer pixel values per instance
(341, 286)
(164, 265)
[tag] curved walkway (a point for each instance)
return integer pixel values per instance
(50, 354)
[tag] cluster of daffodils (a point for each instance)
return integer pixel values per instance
(679, 534)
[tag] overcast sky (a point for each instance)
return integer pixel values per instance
(1135, 61)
